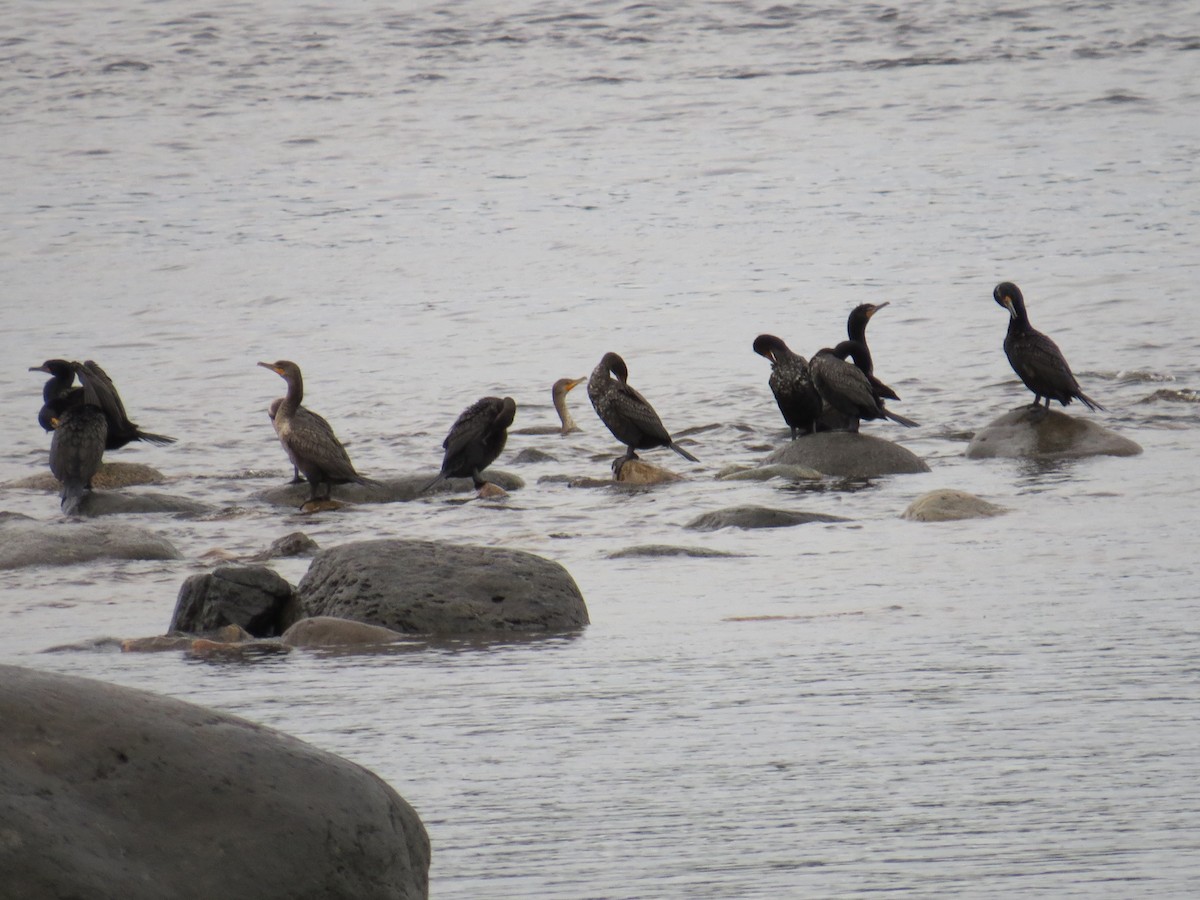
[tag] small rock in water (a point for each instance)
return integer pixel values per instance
(1038, 433)
(848, 455)
(946, 505)
(330, 631)
(316, 506)
(637, 471)
(757, 517)
(295, 544)
(492, 492)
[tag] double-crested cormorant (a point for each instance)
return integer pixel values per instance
(558, 395)
(59, 395)
(476, 439)
(856, 330)
(628, 415)
(307, 438)
(297, 478)
(1034, 356)
(791, 383)
(846, 388)
(76, 449)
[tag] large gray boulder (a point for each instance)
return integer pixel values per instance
(845, 454)
(29, 542)
(252, 597)
(116, 794)
(1038, 433)
(427, 587)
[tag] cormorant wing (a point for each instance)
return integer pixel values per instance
(312, 438)
(99, 390)
(634, 408)
(472, 424)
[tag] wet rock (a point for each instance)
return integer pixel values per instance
(112, 475)
(767, 472)
(658, 550)
(245, 651)
(29, 542)
(159, 643)
(757, 517)
(638, 471)
(107, 503)
(107, 791)
(533, 455)
(251, 597)
(848, 455)
(946, 505)
(492, 491)
(295, 544)
(390, 490)
(327, 631)
(427, 587)
(1027, 432)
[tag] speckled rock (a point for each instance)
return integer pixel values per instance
(110, 476)
(111, 792)
(428, 587)
(252, 597)
(848, 455)
(1027, 432)
(29, 542)
(757, 517)
(946, 505)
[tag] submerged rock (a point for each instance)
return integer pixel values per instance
(757, 517)
(391, 490)
(662, 550)
(947, 505)
(768, 471)
(29, 542)
(1038, 433)
(295, 544)
(107, 791)
(848, 455)
(251, 597)
(328, 631)
(427, 587)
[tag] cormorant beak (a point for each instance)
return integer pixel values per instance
(270, 366)
(574, 383)
(1007, 303)
(54, 422)
(40, 369)
(877, 307)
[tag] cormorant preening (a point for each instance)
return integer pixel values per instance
(791, 383)
(558, 395)
(856, 330)
(76, 448)
(846, 388)
(628, 416)
(1034, 357)
(475, 440)
(59, 395)
(307, 438)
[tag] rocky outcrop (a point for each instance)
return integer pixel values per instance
(946, 505)
(427, 587)
(252, 597)
(756, 517)
(846, 454)
(390, 490)
(1038, 433)
(110, 792)
(29, 542)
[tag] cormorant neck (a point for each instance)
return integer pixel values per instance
(295, 394)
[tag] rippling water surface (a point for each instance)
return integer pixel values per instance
(425, 205)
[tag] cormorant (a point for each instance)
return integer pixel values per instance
(76, 448)
(308, 439)
(791, 383)
(856, 330)
(846, 388)
(59, 395)
(628, 415)
(475, 440)
(1034, 356)
(558, 395)
(297, 478)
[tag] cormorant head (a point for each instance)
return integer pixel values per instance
(284, 368)
(1009, 296)
(508, 412)
(768, 345)
(59, 368)
(616, 365)
(866, 310)
(564, 385)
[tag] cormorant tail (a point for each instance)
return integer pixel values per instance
(899, 419)
(1088, 401)
(73, 494)
(159, 439)
(682, 452)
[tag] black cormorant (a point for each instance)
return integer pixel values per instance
(791, 383)
(856, 330)
(475, 440)
(1035, 357)
(846, 388)
(76, 449)
(307, 438)
(59, 395)
(628, 415)
(558, 395)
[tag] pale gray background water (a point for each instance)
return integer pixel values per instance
(422, 204)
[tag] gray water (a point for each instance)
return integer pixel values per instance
(426, 204)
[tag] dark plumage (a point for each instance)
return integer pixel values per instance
(476, 439)
(628, 415)
(846, 388)
(307, 438)
(558, 396)
(856, 330)
(791, 383)
(96, 388)
(1034, 356)
(76, 449)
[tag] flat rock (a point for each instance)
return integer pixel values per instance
(254, 598)
(390, 490)
(109, 503)
(848, 455)
(767, 472)
(947, 505)
(665, 550)
(29, 542)
(428, 587)
(110, 476)
(110, 792)
(327, 631)
(757, 517)
(1038, 433)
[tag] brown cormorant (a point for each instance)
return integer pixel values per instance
(475, 440)
(59, 395)
(297, 478)
(558, 395)
(308, 439)
(856, 330)
(1034, 356)
(628, 415)
(791, 383)
(846, 388)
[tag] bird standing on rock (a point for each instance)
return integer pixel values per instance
(846, 388)
(96, 389)
(476, 438)
(791, 383)
(628, 414)
(1034, 357)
